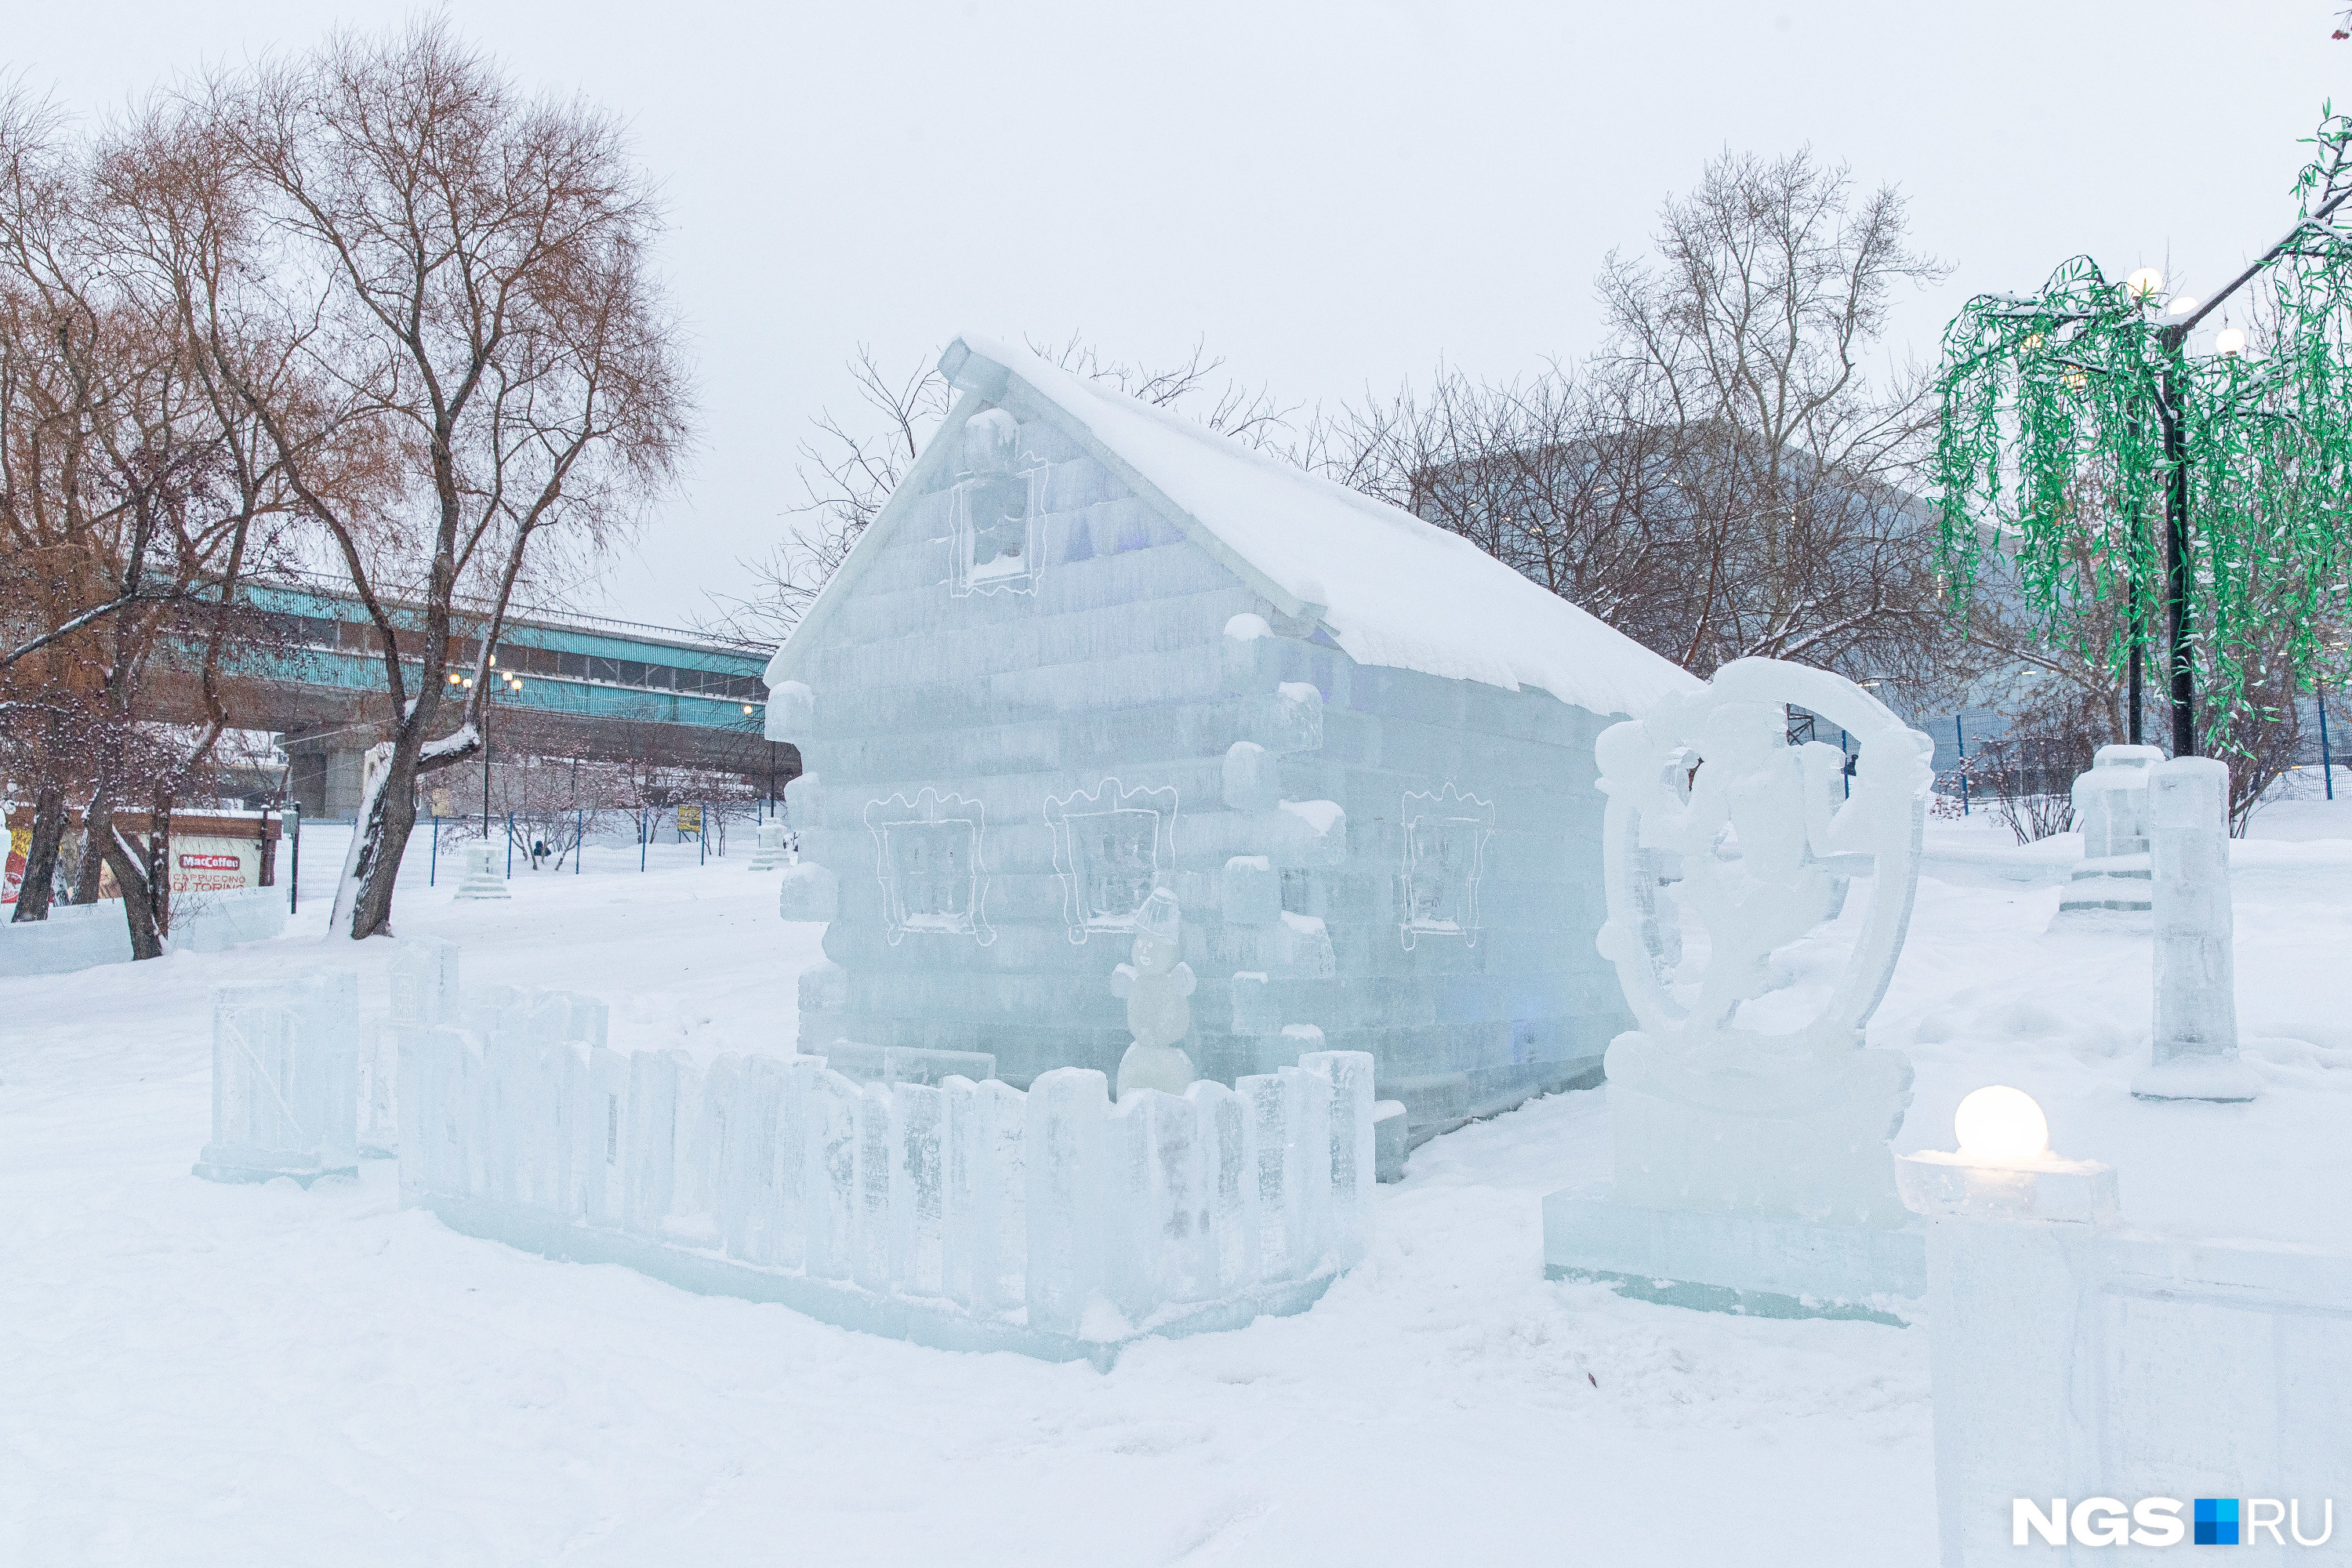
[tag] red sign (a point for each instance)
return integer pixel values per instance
(210, 863)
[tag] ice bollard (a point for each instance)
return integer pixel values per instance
(2196, 1049)
(2017, 1318)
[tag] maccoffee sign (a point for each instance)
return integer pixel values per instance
(201, 863)
(214, 865)
(207, 862)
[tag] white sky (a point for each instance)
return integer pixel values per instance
(1333, 194)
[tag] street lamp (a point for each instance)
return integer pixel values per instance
(467, 683)
(2128, 394)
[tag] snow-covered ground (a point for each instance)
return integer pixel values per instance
(196, 1374)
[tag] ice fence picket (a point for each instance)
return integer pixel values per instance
(921, 1136)
(1348, 1215)
(1053, 1210)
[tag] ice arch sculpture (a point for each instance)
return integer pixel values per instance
(1752, 1167)
(1708, 1109)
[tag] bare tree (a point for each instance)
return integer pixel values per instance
(130, 529)
(1566, 478)
(1769, 284)
(1722, 482)
(479, 269)
(849, 467)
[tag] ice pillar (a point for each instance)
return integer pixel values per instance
(2196, 1055)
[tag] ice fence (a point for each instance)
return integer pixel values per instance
(901, 1196)
(996, 1211)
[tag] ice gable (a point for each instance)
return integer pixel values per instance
(1391, 589)
(1087, 654)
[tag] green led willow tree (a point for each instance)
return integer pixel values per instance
(2149, 498)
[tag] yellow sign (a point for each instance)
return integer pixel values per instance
(689, 819)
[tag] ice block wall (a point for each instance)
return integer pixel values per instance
(1038, 698)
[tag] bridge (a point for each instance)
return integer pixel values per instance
(570, 685)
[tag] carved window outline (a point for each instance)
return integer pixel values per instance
(1071, 858)
(961, 583)
(1453, 812)
(930, 811)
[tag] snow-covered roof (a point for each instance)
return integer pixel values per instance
(1389, 588)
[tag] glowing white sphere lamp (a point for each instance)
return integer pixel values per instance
(2231, 341)
(2181, 305)
(1999, 1124)
(2143, 281)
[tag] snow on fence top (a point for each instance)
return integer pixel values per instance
(1393, 589)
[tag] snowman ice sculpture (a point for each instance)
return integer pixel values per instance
(1156, 986)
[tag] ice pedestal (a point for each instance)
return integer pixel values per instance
(2110, 890)
(482, 879)
(1757, 1265)
(2005, 1299)
(1747, 1182)
(775, 848)
(1735, 1126)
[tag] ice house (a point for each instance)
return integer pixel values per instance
(1090, 648)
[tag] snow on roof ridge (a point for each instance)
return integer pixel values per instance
(1425, 598)
(1023, 361)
